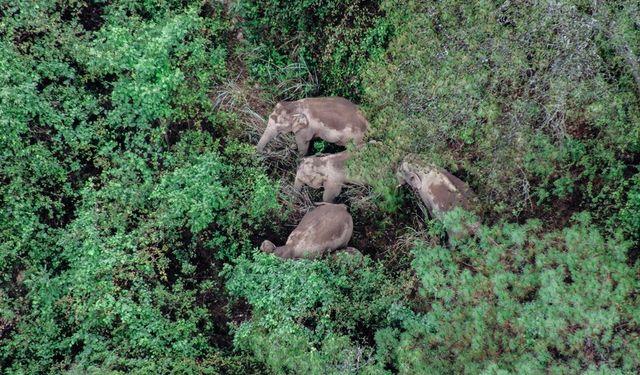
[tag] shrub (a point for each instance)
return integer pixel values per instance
(514, 299)
(533, 102)
(129, 213)
(311, 316)
(629, 217)
(517, 300)
(119, 201)
(308, 41)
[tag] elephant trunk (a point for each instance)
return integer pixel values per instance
(267, 136)
(282, 251)
(400, 179)
(298, 183)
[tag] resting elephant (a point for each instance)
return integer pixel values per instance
(440, 191)
(326, 228)
(328, 172)
(333, 119)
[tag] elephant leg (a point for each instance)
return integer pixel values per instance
(359, 142)
(331, 191)
(302, 141)
(298, 184)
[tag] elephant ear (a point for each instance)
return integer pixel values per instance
(300, 122)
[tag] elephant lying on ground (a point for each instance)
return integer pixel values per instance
(328, 172)
(440, 191)
(333, 119)
(326, 228)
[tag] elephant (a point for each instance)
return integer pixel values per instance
(328, 172)
(334, 119)
(440, 191)
(324, 229)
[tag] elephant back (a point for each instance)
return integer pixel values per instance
(336, 113)
(443, 191)
(326, 227)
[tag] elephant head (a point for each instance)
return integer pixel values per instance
(334, 119)
(283, 119)
(267, 246)
(327, 172)
(407, 174)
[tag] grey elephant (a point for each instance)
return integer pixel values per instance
(334, 119)
(328, 172)
(440, 191)
(324, 229)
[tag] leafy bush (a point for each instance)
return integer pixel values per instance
(118, 204)
(532, 102)
(111, 266)
(518, 300)
(129, 212)
(307, 41)
(629, 216)
(312, 316)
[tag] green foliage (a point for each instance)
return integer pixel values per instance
(194, 193)
(117, 202)
(129, 210)
(111, 266)
(296, 43)
(513, 300)
(520, 301)
(533, 101)
(312, 316)
(629, 216)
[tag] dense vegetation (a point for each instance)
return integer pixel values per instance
(132, 199)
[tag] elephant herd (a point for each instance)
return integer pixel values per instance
(328, 227)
